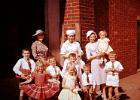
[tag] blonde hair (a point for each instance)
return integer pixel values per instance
(103, 32)
(38, 65)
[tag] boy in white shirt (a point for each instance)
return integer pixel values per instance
(113, 68)
(24, 67)
(88, 83)
(53, 70)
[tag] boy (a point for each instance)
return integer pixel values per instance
(23, 68)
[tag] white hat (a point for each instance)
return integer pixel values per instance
(70, 32)
(38, 32)
(90, 32)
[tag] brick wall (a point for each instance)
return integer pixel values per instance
(71, 14)
(122, 32)
(118, 17)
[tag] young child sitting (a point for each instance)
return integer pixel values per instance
(103, 45)
(113, 68)
(70, 86)
(88, 83)
(41, 89)
(53, 70)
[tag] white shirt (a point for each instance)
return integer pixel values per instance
(117, 66)
(22, 63)
(68, 47)
(91, 79)
(53, 70)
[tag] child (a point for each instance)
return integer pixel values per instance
(113, 68)
(70, 86)
(72, 60)
(53, 70)
(41, 89)
(24, 67)
(103, 45)
(88, 83)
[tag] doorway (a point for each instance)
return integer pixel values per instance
(19, 20)
(138, 45)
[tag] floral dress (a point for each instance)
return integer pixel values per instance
(39, 49)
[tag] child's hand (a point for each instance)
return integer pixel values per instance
(23, 76)
(22, 83)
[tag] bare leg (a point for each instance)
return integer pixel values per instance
(21, 95)
(104, 93)
(117, 94)
(110, 90)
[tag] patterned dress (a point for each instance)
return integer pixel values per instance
(39, 49)
(41, 89)
(98, 72)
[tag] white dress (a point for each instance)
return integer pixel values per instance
(78, 65)
(67, 94)
(103, 45)
(98, 72)
(113, 79)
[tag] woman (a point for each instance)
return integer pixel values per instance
(95, 58)
(39, 49)
(71, 46)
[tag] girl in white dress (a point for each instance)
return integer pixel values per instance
(94, 56)
(113, 68)
(70, 86)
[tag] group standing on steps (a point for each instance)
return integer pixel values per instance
(42, 79)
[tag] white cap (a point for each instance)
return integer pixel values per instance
(38, 32)
(70, 32)
(90, 32)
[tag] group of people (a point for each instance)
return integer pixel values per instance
(42, 79)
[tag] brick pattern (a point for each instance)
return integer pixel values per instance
(123, 32)
(118, 17)
(72, 14)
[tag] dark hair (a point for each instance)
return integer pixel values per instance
(25, 49)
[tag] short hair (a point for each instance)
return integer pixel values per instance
(103, 31)
(72, 55)
(112, 53)
(25, 49)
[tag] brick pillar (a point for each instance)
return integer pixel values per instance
(52, 25)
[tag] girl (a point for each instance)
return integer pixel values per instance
(95, 58)
(113, 68)
(70, 86)
(88, 83)
(41, 89)
(72, 60)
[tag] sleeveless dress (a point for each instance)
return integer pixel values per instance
(41, 89)
(67, 94)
